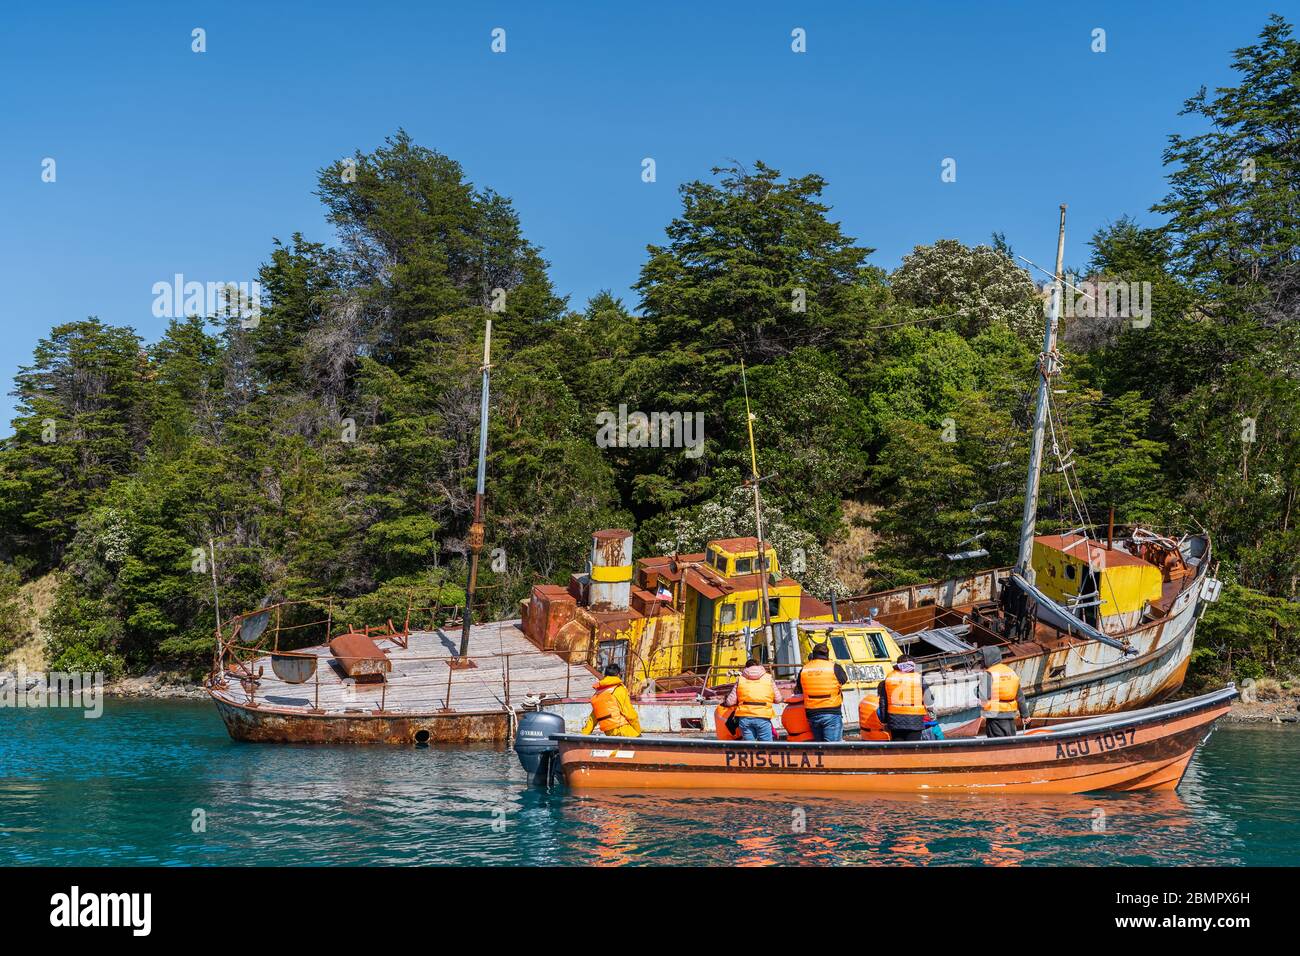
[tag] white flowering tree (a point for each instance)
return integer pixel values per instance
(981, 285)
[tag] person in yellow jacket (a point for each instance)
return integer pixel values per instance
(1001, 698)
(905, 698)
(611, 707)
(869, 725)
(755, 697)
(821, 682)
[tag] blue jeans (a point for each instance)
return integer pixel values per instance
(755, 728)
(826, 725)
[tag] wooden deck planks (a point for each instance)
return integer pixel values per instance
(419, 678)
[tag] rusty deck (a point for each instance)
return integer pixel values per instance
(423, 700)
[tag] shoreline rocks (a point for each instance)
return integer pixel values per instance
(156, 684)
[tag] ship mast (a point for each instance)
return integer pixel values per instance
(475, 542)
(1047, 367)
(763, 569)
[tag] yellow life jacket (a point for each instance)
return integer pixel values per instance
(720, 718)
(605, 708)
(1004, 689)
(755, 697)
(869, 725)
(821, 688)
(905, 693)
(795, 720)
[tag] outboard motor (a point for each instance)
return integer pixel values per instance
(537, 751)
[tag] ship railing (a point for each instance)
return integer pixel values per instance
(492, 684)
(261, 629)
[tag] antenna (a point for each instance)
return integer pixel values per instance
(768, 638)
(475, 542)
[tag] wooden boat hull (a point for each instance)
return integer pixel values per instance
(1142, 750)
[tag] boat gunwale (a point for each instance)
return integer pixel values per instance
(1002, 573)
(1085, 727)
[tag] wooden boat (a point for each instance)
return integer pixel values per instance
(1141, 750)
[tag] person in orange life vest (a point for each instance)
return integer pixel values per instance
(820, 681)
(795, 719)
(869, 725)
(1001, 698)
(905, 698)
(725, 723)
(754, 696)
(611, 707)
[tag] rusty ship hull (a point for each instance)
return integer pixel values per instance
(424, 699)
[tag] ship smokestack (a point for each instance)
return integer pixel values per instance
(611, 569)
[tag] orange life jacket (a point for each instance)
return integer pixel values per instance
(1004, 690)
(821, 688)
(905, 693)
(720, 718)
(869, 725)
(755, 697)
(795, 719)
(605, 708)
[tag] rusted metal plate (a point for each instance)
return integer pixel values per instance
(265, 726)
(360, 657)
(293, 668)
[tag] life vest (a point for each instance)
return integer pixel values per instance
(869, 725)
(605, 708)
(755, 697)
(905, 693)
(1004, 689)
(821, 688)
(795, 719)
(720, 717)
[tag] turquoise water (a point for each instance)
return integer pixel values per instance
(123, 789)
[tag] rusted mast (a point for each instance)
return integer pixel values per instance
(768, 639)
(216, 603)
(475, 542)
(1046, 369)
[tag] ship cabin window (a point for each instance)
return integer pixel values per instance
(878, 649)
(751, 610)
(1069, 571)
(711, 558)
(774, 607)
(744, 565)
(728, 613)
(841, 648)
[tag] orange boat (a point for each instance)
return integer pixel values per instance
(1145, 749)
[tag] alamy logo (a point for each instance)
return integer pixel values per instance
(103, 909)
(1105, 299)
(83, 691)
(655, 430)
(179, 298)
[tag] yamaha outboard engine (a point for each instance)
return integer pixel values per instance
(538, 753)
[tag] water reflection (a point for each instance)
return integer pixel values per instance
(122, 790)
(764, 829)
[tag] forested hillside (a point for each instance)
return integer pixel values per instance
(330, 448)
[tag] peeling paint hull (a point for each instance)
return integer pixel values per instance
(267, 725)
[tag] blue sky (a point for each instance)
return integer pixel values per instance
(172, 161)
